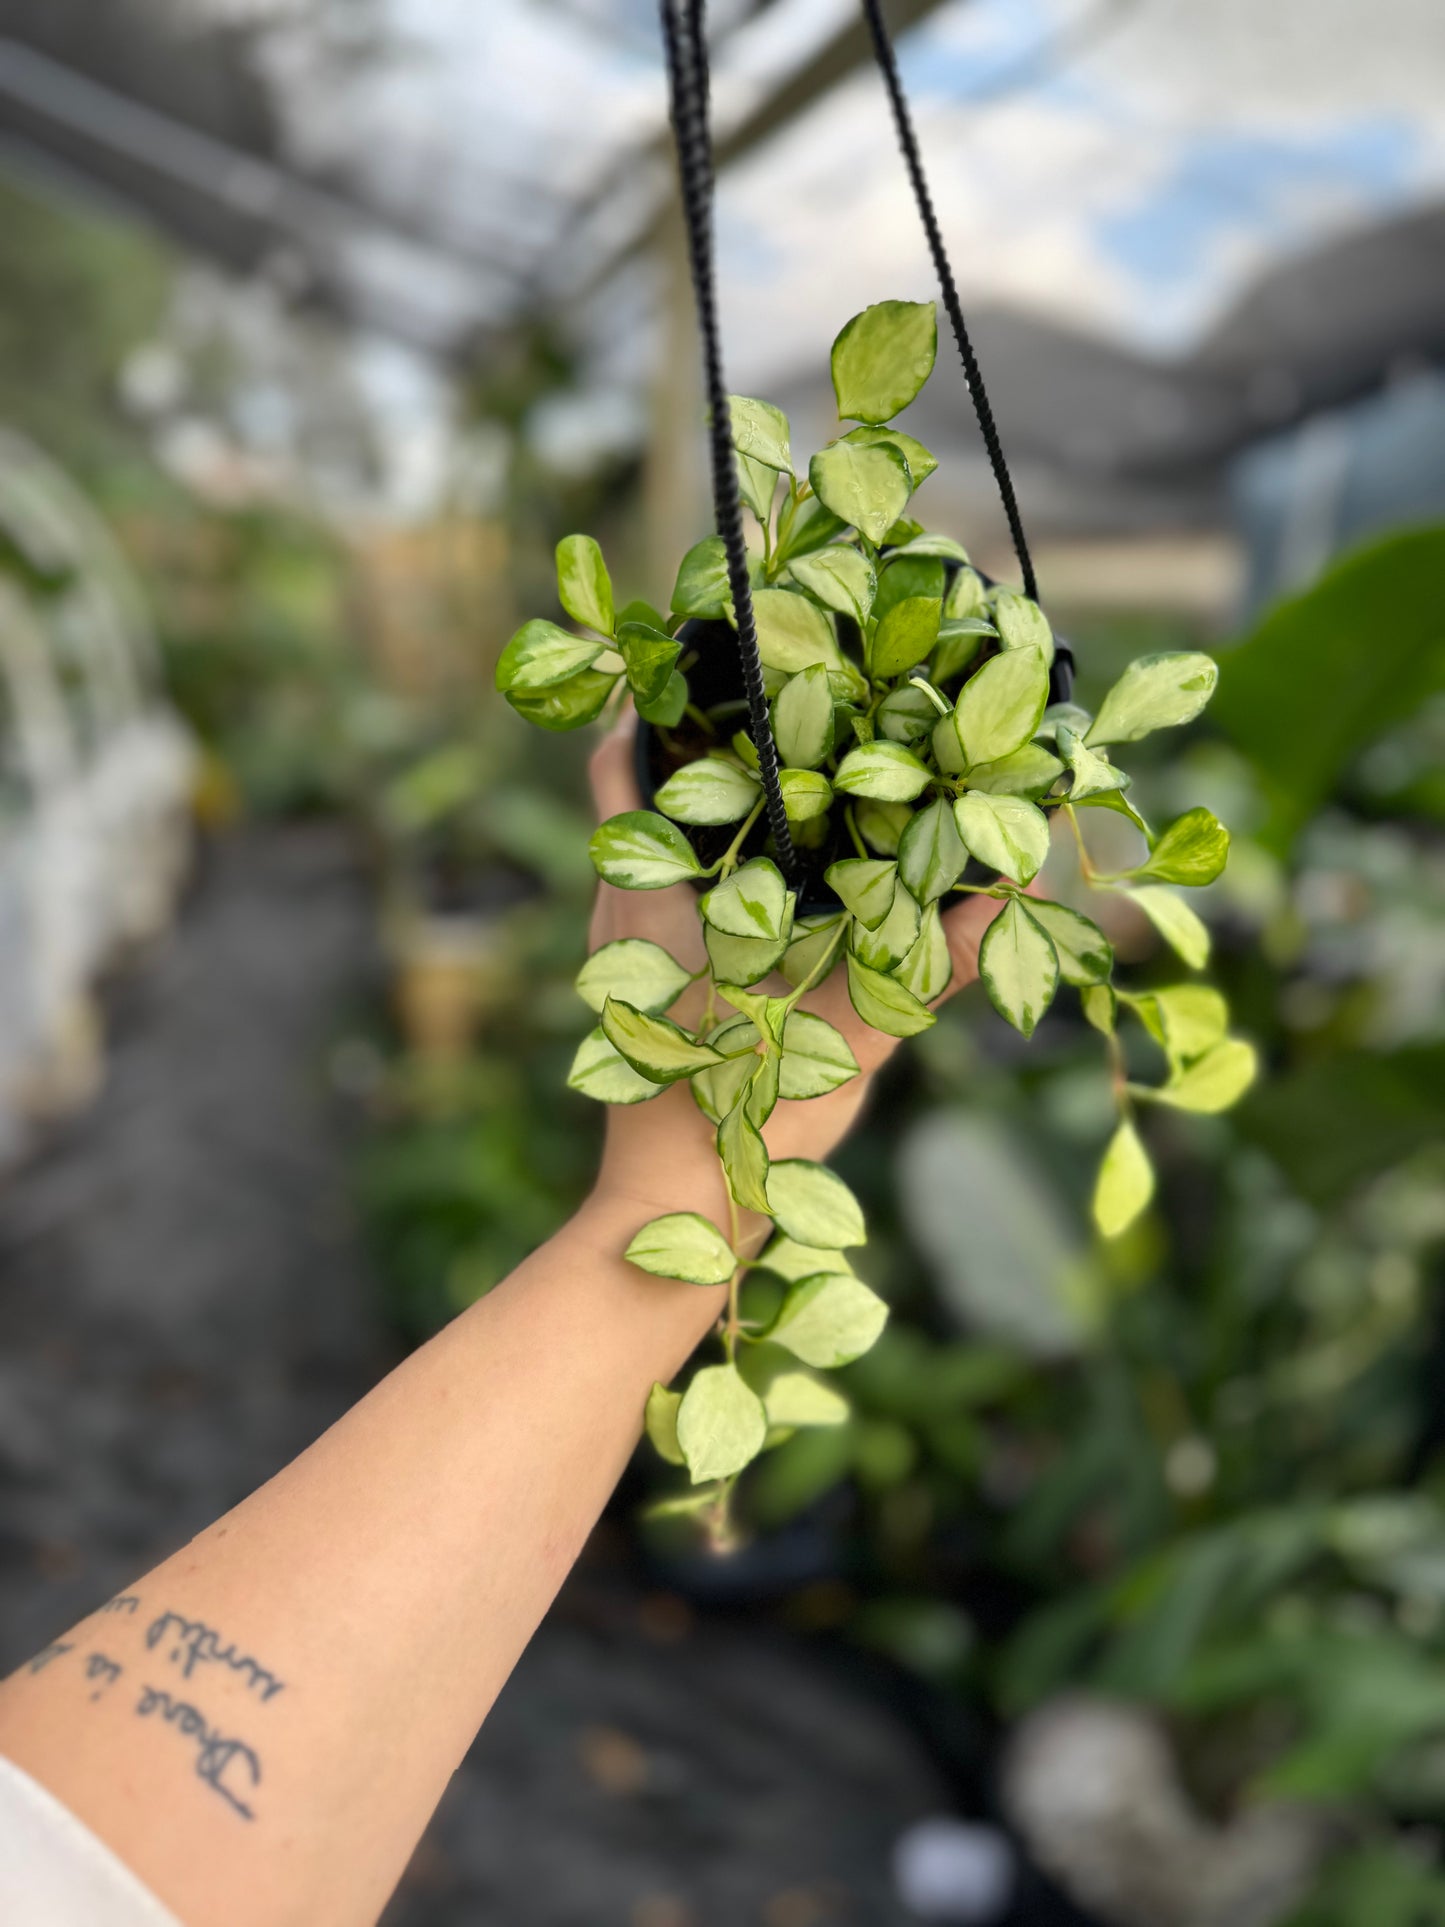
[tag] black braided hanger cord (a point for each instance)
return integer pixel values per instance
(988, 428)
(685, 40)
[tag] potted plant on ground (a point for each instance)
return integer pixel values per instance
(924, 753)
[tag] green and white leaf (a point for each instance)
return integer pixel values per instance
(807, 793)
(1005, 833)
(1125, 1183)
(1212, 1082)
(742, 960)
(882, 358)
(885, 1003)
(921, 461)
(684, 1245)
(1019, 967)
(828, 1320)
(660, 1420)
(752, 902)
(1084, 952)
(761, 432)
(890, 943)
(793, 632)
(1022, 624)
(959, 641)
(655, 1047)
(931, 854)
(721, 1424)
(640, 850)
(634, 969)
(744, 1159)
(927, 970)
(1031, 771)
(791, 1396)
(865, 487)
(840, 577)
(1181, 927)
(884, 772)
(584, 587)
(1093, 773)
(812, 1205)
(882, 824)
(967, 596)
(1193, 850)
(651, 657)
(1100, 1007)
(803, 717)
(711, 790)
(565, 705)
(813, 939)
(541, 655)
(598, 1071)
(906, 715)
(702, 588)
(1155, 692)
(667, 709)
(1000, 705)
(905, 637)
(792, 1261)
(865, 886)
(816, 1058)
(757, 485)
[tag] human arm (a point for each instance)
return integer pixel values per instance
(367, 1604)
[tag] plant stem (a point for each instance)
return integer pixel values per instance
(728, 861)
(940, 703)
(852, 822)
(1086, 868)
(820, 969)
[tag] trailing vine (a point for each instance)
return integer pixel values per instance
(921, 758)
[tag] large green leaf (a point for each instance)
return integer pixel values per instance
(906, 715)
(1187, 1019)
(541, 654)
(1019, 967)
(806, 793)
(752, 902)
(667, 709)
(865, 487)
(711, 790)
(1000, 705)
(760, 431)
(791, 1396)
(1155, 692)
(1022, 624)
(742, 960)
(1092, 772)
(1005, 833)
(640, 850)
(721, 1424)
(1030, 771)
(1193, 850)
(803, 718)
(1328, 672)
(655, 1047)
(816, 1057)
(1125, 1183)
(641, 972)
(684, 1245)
(812, 1204)
(598, 1071)
(881, 825)
(931, 854)
(904, 637)
(885, 1003)
(793, 632)
(583, 584)
(885, 772)
(806, 950)
(702, 582)
(829, 1320)
(882, 358)
(904, 577)
(840, 577)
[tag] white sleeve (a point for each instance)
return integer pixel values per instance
(54, 1872)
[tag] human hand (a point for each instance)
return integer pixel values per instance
(660, 1155)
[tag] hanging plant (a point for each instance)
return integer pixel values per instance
(921, 758)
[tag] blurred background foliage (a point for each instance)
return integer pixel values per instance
(1201, 1470)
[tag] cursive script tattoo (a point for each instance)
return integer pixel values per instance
(216, 1755)
(43, 1658)
(124, 1602)
(192, 1643)
(102, 1672)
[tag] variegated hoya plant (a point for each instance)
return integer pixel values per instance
(921, 758)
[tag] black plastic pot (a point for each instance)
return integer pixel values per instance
(716, 678)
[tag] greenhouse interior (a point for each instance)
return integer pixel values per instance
(1040, 1521)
